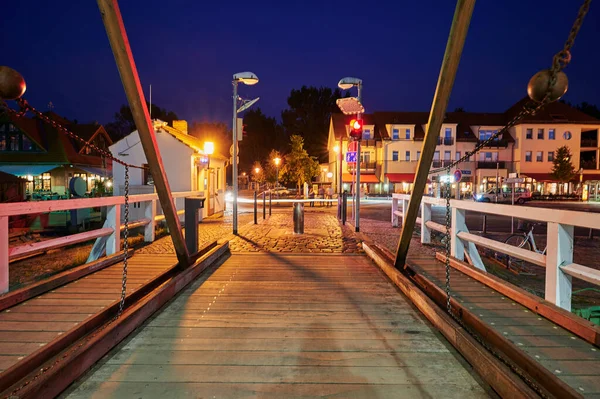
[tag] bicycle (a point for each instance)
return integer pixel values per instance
(523, 240)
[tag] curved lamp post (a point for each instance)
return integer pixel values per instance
(247, 78)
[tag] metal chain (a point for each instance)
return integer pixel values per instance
(125, 243)
(447, 239)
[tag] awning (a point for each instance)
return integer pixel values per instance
(591, 177)
(402, 177)
(364, 178)
(26, 170)
(544, 177)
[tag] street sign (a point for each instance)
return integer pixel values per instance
(352, 146)
(350, 105)
(513, 175)
(514, 180)
(465, 172)
(351, 157)
(457, 175)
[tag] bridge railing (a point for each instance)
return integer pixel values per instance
(111, 230)
(557, 261)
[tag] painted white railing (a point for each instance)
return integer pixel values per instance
(558, 259)
(110, 231)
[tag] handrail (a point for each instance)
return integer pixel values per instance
(557, 261)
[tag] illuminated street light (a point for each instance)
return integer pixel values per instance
(277, 161)
(247, 78)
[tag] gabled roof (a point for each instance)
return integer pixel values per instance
(340, 121)
(190, 141)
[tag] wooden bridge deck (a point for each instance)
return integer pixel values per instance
(35, 323)
(570, 358)
(285, 326)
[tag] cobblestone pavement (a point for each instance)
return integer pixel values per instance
(322, 234)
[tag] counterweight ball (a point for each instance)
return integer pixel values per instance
(12, 84)
(538, 86)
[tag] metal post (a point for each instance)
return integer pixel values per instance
(512, 218)
(255, 208)
(117, 36)
(234, 160)
(456, 40)
(340, 179)
(497, 180)
(264, 205)
(484, 224)
(270, 196)
(344, 207)
(357, 202)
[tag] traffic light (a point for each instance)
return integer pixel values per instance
(356, 129)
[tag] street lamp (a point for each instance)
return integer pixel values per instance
(346, 84)
(277, 161)
(247, 78)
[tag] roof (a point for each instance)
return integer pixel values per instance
(555, 112)
(192, 142)
(340, 121)
(8, 178)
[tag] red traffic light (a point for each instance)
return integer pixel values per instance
(356, 128)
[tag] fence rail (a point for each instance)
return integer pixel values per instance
(110, 231)
(558, 260)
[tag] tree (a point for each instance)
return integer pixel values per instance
(258, 173)
(308, 114)
(124, 124)
(562, 167)
(299, 166)
(459, 109)
(263, 133)
(272, 172)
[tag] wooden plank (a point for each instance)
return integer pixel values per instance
(525, 254)
(582, 272)
(582, 328)
(492, 371)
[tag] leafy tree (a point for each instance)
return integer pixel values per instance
(308, 114)
(271, 171)
(562, 167)
(124, 124)
(262, 134)
(300, 167)
(259, 176)
(591, 110)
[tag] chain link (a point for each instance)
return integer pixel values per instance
(447, 188)
(125, 244)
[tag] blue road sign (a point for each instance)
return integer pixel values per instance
(457, 175)
(351, 156)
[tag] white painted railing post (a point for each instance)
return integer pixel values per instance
(457, 247)
(404, 210)
(3, 254)
(113, 217)
(560, 253)
(425, 217)
(150, 214)
(394, 209)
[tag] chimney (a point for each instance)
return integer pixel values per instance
(181, 126)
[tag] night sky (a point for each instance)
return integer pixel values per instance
(188, 51)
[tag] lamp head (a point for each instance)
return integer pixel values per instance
(349, 82)
(247, 78)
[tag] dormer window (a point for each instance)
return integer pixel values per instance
(395, 134)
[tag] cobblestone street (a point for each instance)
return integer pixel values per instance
(322, 234)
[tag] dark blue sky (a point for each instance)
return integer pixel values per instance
(188, 51)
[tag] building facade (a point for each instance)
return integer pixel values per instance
(393, 144)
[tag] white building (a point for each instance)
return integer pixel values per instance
(186, 165)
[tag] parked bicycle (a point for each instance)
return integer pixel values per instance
(524, 240)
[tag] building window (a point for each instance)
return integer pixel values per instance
(528, 156)
(540, 134)
(394, 155)
(13, 142)
(457, 155)
(407, 155)
(2, 140)
(551, 134)
(27, 145)
(395, 134)
(567, 135)
(418, 155)
(436, 156)
(448, 133)
(529, 134)
(539, 156)
(487, 156)
(550, 156)
(407, 134)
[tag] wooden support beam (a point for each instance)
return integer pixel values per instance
(115, 29)
(454, 47)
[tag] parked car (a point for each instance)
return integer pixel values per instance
(280, 191)
(522, 195)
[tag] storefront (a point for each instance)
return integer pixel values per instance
(369, 183)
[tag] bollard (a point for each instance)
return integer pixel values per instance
(264, 205)
(270, 195)
(484, 231)
(298, 218)
(344, 207)
(255, 209)
(192, 205)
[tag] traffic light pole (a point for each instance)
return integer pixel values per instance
(234, 174)
(357, 189)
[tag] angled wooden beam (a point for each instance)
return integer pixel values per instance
(115, 29)
(454, 47)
